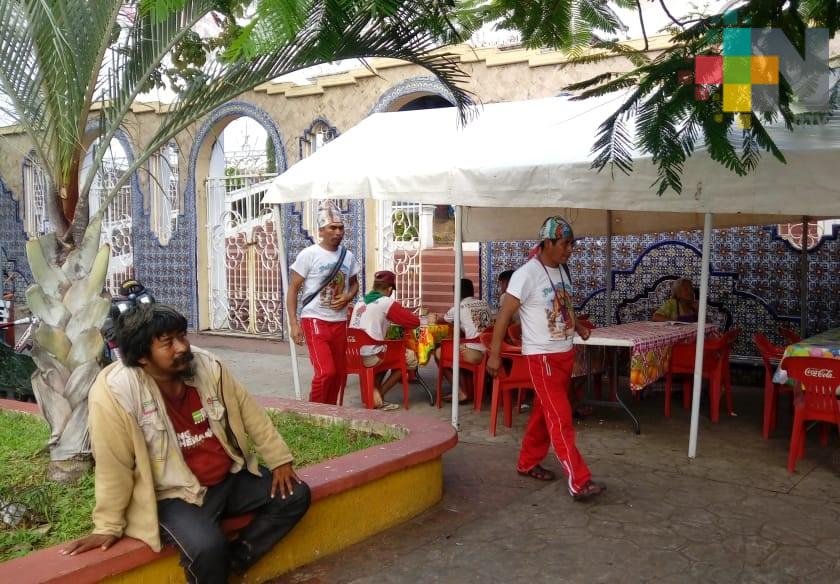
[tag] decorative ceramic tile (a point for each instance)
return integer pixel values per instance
(754, 284)
(12, 251)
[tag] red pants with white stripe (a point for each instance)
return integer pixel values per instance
(327, 345)
(551, 418)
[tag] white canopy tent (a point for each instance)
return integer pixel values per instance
(518, 162)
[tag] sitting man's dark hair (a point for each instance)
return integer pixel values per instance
(138, 328)
(467, 289)
(505, 276)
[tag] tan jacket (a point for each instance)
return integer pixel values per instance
(138, 461)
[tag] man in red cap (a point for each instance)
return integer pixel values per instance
(541, 291)
(374, 314)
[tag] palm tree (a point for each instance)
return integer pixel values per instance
(67, 63)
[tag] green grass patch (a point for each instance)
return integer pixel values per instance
(311, 441)
(60, 513)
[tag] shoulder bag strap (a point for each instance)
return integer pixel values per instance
(325, 282)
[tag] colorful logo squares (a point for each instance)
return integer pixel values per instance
(749, 82)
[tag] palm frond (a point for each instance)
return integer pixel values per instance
(330, 33)
(146, 43)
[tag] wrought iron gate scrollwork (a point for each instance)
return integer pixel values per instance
(399, 248)
(245, 289)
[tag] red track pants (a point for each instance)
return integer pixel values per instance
(551, 418)
(327, 345)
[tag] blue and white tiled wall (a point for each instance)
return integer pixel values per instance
(756, 274)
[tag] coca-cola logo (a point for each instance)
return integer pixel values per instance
(821, 373)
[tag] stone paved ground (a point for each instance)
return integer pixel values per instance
(733, 514)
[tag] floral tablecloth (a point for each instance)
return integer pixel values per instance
(425, 340)
(825, 345)
(649, 343)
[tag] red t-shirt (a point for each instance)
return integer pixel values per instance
(202, 451)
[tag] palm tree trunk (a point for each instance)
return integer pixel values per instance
(68, 300)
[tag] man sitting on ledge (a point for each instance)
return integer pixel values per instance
(170, 430)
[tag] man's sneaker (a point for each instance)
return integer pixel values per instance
(589, 490)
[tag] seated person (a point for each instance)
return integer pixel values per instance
(476, 316)
(374, 314)
(174, 434)
(504, 279)
(681, 306)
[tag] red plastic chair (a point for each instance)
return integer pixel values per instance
(820, 382)
(516, 377)
(598, 373)
(682, 363)
(477, 371)
(730, 337)
(393, 358)
(790, 336)
(771, 355)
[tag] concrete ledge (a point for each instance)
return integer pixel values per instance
(353, 497)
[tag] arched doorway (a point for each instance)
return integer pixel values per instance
(240, 153)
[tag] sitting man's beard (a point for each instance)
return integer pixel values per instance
(188, 358)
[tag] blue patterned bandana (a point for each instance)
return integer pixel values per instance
(555, 228)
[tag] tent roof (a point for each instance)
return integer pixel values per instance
(537, 153)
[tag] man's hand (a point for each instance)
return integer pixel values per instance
(296, 333)
(90, 542)
(493, 364)
(582, 331)
(340, 301)
(283, 480)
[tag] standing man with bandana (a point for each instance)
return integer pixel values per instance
(541, 290)
(329, 277)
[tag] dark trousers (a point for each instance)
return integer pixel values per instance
(206, 555)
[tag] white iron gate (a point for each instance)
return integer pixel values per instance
(399, 248)
(117, 223)
(245, 291)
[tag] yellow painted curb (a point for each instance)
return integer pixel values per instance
(331, 525)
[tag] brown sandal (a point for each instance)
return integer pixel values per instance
(539, 473)
(589, 490)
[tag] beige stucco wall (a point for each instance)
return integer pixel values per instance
(493, 75)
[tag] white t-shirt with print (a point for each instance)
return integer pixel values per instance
(547, 326)
(313, 264)
(373, 319)
(476, 316)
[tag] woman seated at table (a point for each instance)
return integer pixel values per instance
(681, 306)
(476, 316)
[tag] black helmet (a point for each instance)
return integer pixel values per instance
(132, 293)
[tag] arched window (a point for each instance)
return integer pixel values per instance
(33, 204)
(164, 203)
(315, 137)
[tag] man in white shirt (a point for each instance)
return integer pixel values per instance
(374, 314)
(541, 291)
(328, 274)
(476, 316)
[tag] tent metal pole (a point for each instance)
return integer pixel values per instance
(701, 337)
(608, 268)
(284, 282)
(803, 280)
(456, 332)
